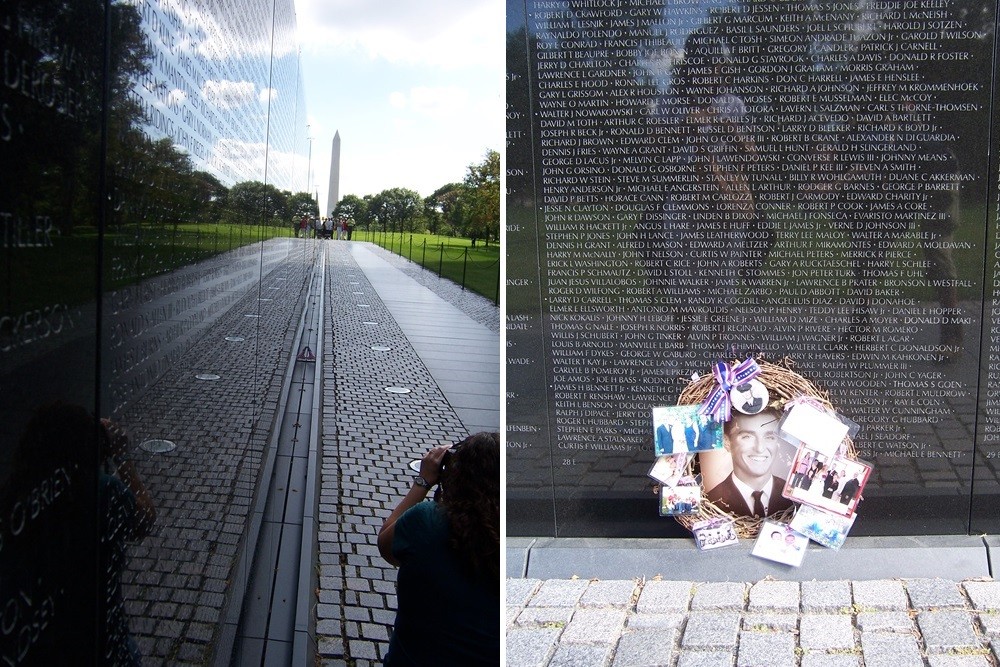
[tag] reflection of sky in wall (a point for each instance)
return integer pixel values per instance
(212, 84)
(676, 23)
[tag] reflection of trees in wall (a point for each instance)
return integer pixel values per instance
(51, 121)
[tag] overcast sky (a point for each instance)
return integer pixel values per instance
(414, 88)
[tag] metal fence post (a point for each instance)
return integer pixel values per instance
(465, 263)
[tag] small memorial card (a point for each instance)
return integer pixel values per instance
(750, 398)
(833, 484)
(806, 423)
(680, 500)
(681, 429)
(669, 469)
(821, 527)
(714, 533)
(780, 543)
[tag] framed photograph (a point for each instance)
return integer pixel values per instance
(678, 500)
(669, 468)
(714, 533)
(679, 429)
(780, 543)
(821, 527)
(807, 424)
(833, 484)
(717, 465)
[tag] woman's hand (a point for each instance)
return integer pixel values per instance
(430, 465)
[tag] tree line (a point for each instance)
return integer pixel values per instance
(469, 209)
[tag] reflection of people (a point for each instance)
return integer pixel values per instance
(850, 490)
(448, 553)
(127, 514)
(58, 554)
(751, 490)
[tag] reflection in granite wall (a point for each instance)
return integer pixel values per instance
(147, 148)
(690, 180)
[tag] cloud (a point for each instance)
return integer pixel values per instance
(267, 95)
(228, 94)
(451, 33)
(176, 97)
(434, 102)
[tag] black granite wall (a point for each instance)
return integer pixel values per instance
(695, 180)
(126, 128)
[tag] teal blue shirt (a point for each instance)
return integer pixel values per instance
(444, 617)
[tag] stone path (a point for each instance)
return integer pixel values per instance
(369, 435)
(770, 623)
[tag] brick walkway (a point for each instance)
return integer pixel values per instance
(178, 584)
(368, 437)
(183, 583)
(879, 623)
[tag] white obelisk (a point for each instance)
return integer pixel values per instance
(333, 194)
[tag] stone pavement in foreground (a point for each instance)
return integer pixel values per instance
(369, 435)
(770, 623)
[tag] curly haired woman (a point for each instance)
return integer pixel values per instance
(448, 553)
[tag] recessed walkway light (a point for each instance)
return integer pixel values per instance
(158, 446)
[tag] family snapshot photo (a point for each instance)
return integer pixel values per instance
(680, 500)
(669, 469)
(679, 429)
(780, 543)
(714, 533)
(829, 483)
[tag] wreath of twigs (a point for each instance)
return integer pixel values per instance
(783, 384)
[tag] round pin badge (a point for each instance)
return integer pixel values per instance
(750, 397)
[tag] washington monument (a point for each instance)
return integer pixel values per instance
(333, 194)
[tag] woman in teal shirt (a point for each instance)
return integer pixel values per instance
(448, 553)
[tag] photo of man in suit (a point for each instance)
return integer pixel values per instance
(751, 489)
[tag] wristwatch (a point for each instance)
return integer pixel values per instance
(420, 481)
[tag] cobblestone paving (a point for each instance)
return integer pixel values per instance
(178, 583)
(368, 437)
(770, 623)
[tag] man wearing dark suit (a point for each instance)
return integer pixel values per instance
(850, 490)
(751, 490)
(664, 441)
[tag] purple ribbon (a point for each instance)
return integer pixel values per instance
(718, 405)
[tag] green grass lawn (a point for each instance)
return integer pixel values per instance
(64, 272)
(475, 268)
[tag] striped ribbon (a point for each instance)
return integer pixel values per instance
(718, 405)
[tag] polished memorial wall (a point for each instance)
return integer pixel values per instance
(136, 267)
(689, 181)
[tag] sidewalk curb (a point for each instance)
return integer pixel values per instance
(954, 557)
